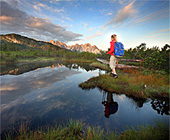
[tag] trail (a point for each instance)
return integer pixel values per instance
(120, 66)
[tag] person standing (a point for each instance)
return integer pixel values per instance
(113, 58)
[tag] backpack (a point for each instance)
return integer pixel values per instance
(119, 49)
(113, 107)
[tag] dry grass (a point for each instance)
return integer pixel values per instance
(149, 79)
(132, 84)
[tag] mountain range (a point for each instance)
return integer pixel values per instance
(26, 42)
(79, 48)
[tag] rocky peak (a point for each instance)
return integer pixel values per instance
(80, 48)
(84, 48)
(58, 43)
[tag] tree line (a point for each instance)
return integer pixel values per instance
(153, 58)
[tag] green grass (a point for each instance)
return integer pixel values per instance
(79, 60)
(8, 57)
(100, 65)
(44, 59)
(130, 63)
(38, 59)
(77, 130)
(131, 84)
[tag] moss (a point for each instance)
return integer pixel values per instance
(131, 85)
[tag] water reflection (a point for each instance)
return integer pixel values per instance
(139, 102)
(111, 106)
(162, 107)
(22, 68)
(48, 94)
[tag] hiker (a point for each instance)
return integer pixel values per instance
(111, 107)
(113, 58)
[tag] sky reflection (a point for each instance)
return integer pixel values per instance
(48, 95)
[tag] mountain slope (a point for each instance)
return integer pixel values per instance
(28, 42)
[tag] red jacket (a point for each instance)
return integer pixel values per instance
(112, 47)
(106, 108)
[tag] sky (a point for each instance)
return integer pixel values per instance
(89, 21)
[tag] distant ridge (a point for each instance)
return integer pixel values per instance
(79, 48)
(26, 43)
(59, 44)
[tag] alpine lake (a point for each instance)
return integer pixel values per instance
(46, 94)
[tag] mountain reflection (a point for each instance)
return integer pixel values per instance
(22, 68)
(111, 106)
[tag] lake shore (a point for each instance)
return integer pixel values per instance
(28, 64)
(80, 131)
(136, 83)
(121, 86)
(130, 82)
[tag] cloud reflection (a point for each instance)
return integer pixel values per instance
(36, 91)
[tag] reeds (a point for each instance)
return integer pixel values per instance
(76, 130)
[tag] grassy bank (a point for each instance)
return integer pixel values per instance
(100, 66)
(131, 83)
(51, 59)
(76, 130)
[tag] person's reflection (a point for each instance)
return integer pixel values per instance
(111, 106)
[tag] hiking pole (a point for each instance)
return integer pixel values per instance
(105, 68)
(106, 65)
(108, 60)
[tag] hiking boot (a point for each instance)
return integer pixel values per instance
(111, 74)
(115, 76)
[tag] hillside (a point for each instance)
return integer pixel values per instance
(27, 43)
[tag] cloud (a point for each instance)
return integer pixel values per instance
(15, 20)
(90, 29)
(98, 33)
(39, 5)
(36, 7)
(160, 31)
(5, 19)
(13, 2)
(85, 25)
(122, 15)
(151, 36)
(158, 14)
(109, 14)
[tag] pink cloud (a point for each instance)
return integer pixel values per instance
(123, 14)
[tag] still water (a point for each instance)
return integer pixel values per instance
(51, 95)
